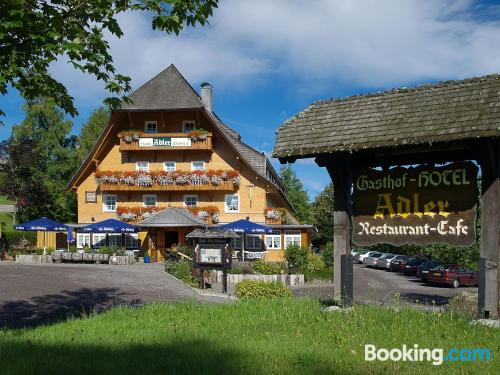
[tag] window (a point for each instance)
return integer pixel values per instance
(82, 240)
(98, 239)
(190, 200)
(169, 166)
(131, 241)
(232, 203)
(273, 241)
(236, 243)
(150, 127)
(253, 242)
(188, 126)
(197, 166)
(292, 237)
(109, 202)
(115, 240)
(142, 166)
(149, 200)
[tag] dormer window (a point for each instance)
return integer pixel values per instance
(188, 126)
(150, 127)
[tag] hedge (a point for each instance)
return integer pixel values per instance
(251, 289)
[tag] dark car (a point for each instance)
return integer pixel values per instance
(454, 275)
(424, 267)
(411, 265)
(396, 263)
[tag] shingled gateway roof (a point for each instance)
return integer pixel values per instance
(446, 111)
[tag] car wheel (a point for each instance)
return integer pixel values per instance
(455, 284)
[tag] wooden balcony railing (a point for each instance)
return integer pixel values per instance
(164, 141)
(224, 186)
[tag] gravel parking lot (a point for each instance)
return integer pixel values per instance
(379, 286)
(41, 293)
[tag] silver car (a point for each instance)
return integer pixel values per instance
(384, 261)
(371, 260)
(363, 256)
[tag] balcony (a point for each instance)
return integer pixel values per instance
(137, 141)
(209, 180)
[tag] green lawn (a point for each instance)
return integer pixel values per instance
(247, 337)
(5, 200)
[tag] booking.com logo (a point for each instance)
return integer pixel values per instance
(415, 354)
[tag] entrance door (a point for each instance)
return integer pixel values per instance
(171, 238)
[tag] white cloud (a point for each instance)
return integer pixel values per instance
(316, 44)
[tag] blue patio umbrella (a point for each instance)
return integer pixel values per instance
(110, 226)
(42, 224)
(246, 227)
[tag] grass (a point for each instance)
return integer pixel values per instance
(5, 200)
(246, 337)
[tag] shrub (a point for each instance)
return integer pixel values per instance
(72, 249)
(267, 268)
(106, 250)
(87, 250)
(20, 238)
(297, 258)
(251, 289)
(38, 251)
(234, 271)
(181, 270)
(327, 254)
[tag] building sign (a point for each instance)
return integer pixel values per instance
(419, 205)
(164, 142)
(90, 197)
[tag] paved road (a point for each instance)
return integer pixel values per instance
(38, 293)
(378, 286)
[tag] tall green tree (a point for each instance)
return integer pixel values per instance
(35, 33)
(296, 194)
(322, 213)
(91, 130)
(41, 159)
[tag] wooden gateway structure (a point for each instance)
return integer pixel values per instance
(453, 121)
(168, 164)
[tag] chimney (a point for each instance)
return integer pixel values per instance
(206, 95)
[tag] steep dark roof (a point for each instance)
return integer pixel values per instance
(166, 91)
(445, 111)
(172, 216)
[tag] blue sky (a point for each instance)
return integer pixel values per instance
(268, 60)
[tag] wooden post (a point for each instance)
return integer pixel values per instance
(341, 175)
(489, 276)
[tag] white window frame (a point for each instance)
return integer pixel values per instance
(139, 168)
(144, 198)
(190, 196)
(98, 240)
(226, 207)
(188, 122)
(275, 235)
(105, 205)
(236, 243)
(147, 129)
(292, 234)
(198, 161)
(165, 166)
(82, 240)
(253, 242)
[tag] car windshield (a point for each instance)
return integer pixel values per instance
(413, 261)
(377, 255)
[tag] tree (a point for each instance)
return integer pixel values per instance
(322, 216)
(296, 194)
(91, 131)
(41, 159)
(35, 33)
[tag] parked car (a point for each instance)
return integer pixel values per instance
(411, 265)
(454, 275)
(384, 261)
(371, 261)
(397, 263)
(363, 256)
(424, 267)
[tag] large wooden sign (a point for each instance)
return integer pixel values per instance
(419, 205)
